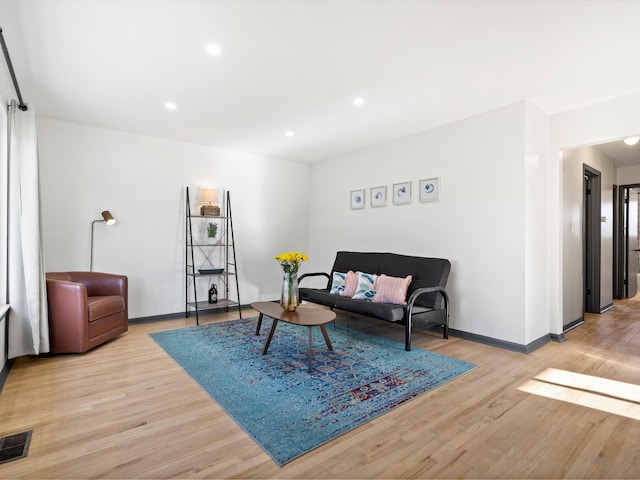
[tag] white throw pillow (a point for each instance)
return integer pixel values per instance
(366, 287)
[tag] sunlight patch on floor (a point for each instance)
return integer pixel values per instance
(613, 362)
(602, 394)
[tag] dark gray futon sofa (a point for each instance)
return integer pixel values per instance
(427, 300)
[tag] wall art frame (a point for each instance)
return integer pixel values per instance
(402, 193)
(429, 189)
(378, 196)
(357, 199)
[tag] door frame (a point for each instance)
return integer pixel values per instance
(591, 239)
(618, 241)
(620, 192)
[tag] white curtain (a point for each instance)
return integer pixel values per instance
(28, 329)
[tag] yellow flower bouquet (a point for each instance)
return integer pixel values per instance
(291, 261)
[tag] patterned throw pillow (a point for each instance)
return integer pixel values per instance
(350, 284)
(392, 289)
(366, 286)
(337, 283)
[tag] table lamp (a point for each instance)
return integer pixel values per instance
(210, 206)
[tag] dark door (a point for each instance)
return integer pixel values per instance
(591, 240)
(619, 241)
(631, 242)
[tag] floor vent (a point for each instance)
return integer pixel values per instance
(15, 446)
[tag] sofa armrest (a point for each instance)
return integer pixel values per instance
(421, 291)
(317, 274)
(412, 299)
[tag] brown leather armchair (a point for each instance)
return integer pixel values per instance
(85, 309)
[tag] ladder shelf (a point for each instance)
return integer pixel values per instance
(213, 261)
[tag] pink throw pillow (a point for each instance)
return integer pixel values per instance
(392, 289)
(350, 284)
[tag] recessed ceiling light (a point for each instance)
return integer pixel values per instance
(631, 140)
(170, 106)
(289, 133)
(358, 101)
(214, 49)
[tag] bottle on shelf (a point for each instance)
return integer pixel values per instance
(213, 294)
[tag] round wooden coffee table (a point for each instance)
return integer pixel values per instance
(306, 315)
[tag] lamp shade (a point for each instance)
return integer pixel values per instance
(210, 196)
(108, 217)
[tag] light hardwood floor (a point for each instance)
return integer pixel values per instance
(126, 410)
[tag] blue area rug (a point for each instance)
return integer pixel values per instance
(283, 407)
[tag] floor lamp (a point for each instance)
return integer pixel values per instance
(109, 220)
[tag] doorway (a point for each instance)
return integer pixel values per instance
(591, 239)
(626, 254)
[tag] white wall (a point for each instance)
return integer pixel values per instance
(536, 214)
(142, 180)
(573, 226)
(628, 175)
(478, 224)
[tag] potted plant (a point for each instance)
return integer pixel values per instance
(212, 230)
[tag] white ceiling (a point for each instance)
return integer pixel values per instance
(622, 154)
(297, 65)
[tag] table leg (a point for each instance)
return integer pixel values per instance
(273, 329)
(310, 348)
(326, 337)
(259, 323)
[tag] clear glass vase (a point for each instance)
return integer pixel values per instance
(289, 299)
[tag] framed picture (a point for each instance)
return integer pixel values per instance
(357, 199)
(379, 196)
(401, 193)
(429, 189)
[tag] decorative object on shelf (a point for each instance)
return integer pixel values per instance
(212, 231)
(379, 196)
(213, 293)
(357, 199)
(401, 193)
(210, 207)
(210, 271)
(290, 263)
(429, 189)
(109, 220)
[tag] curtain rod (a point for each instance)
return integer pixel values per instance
(22, 106)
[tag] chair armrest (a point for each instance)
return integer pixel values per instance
(316, 274)
(62, 292)
(421, 291)
(68, 313)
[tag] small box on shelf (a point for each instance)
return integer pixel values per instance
(210, 211)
